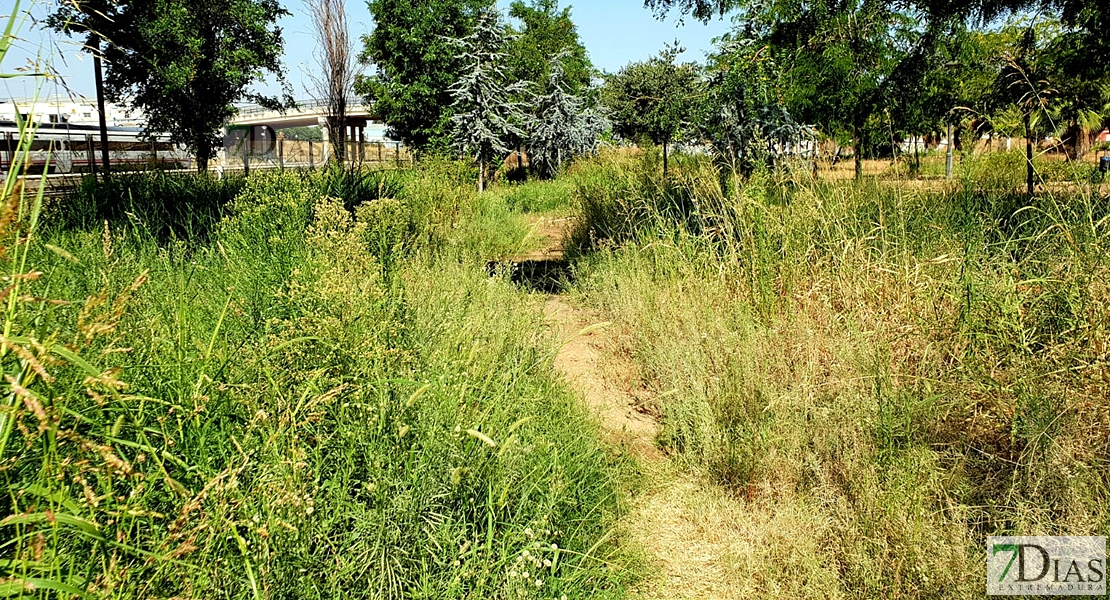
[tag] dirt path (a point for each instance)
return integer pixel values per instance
(683, 524)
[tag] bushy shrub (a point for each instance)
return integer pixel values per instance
(165, 206)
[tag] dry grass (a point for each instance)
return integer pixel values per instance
(878, 377)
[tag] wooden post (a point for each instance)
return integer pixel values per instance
(310, 163)
(281, 152)
(397, 154)
(380, 152)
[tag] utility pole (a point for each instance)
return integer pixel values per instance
(100, 108)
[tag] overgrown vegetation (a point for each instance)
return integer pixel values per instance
(882, 375)
(304, 402)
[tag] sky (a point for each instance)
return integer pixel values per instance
(614, 32)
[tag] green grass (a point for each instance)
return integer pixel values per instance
(303, 402)
(882, 376)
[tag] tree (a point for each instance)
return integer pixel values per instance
(743, 116)
(484, 113)
(653, 98)
(338, 70)
(563, 127)
(416, 64)
(547, 32)
(836, 58)
(184, 63)
(1023, 86)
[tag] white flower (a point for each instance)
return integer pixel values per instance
(547, 562)
(539, 583)
(528, 532)
(554, 547)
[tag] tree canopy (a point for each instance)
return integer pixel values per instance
(184, 63)
(485, 117)
(652, 99)
(415, 63)
(546, 31)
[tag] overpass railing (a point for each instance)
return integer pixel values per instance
(302, 106)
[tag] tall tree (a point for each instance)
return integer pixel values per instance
(564, 126)
(415, 64)
(184, 63)
(653, 98)
(836, 57)
(483, 123)
(1023, 86)
(338, 69)
(743, 115)
(546, 31)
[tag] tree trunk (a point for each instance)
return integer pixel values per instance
(481, 175)
(916, 157)
(204, 149)
(858, 153)
(1028, 157)
(664, 159)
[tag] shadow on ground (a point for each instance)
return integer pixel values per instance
(548, 275)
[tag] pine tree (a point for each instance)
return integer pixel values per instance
(485, 117)
(562, 128)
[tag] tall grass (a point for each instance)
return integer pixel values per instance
(882, 375)
(306, 401)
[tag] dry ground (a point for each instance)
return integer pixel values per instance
(689, 529)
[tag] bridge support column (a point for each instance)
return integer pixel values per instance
(327, 140)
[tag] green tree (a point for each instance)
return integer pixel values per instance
(547, 31)
(416, 63)
(1023, 86)
(565, 127)
(184, 63)
(835, 58)
(653, 99)
(483, 123)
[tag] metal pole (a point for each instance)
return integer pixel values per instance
(90, 152)
(948, 158)
(100, 107)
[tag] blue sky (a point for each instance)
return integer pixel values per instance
(614, 32)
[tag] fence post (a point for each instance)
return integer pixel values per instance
(281, 152)
(8, 149)
(311, 164)
(397, 154)
(379, 144)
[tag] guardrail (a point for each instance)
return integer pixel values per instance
(301, 106)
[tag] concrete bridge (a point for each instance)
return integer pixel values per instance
(306, 114)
